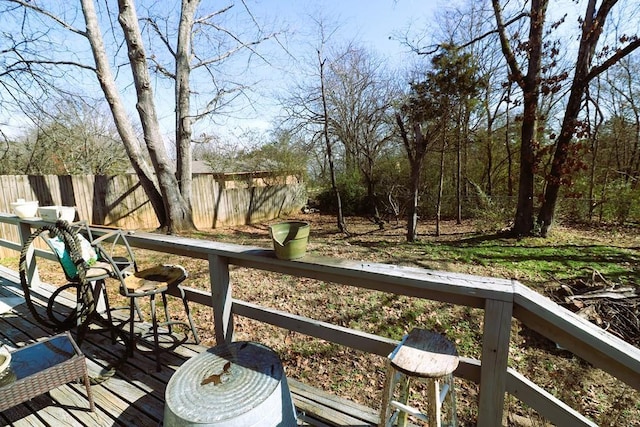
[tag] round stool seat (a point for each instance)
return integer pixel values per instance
(425, 354)
(236, 384)
(155, 279)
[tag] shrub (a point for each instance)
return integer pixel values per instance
(352, 195)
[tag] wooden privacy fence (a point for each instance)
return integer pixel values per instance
(501, 299)
(119, 201)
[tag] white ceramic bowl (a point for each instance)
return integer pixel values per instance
(67, 213)
(25, 209)
(54, 213)
(5, 359)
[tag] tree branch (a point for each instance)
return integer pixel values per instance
(506, 47)
(497, 30)
(30, 5)
(242, 45)
(159, 33)
(159, 68)
(621, 53)
(9, 68)
(204, 19)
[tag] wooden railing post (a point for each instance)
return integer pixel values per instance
(221, 298)
(33, 278)
(495, 355)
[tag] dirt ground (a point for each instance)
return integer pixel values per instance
(359, 376)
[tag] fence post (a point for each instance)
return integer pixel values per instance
(31, 267)
(495, 355)
(221, 298)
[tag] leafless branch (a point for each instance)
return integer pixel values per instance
(204, 19)
(30, 5)
(506, 47)
(159, 68)
(160, 34)
(227, 54)
(495, 31)
(621, 53)
(28, 63)
(241, 44)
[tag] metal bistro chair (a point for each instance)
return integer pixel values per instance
(110, 256)
(135, 284)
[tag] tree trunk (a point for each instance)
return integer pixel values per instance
(459, 170)
(592, 27)
(183, 98)
(507, 144)
(118, 111)
(530, 85)
(598, 118)
(177, 210)
(412, 212)
(554, 179)
(325, 133)
(416, 152)
(490, 141)
(591, 30)
(441, 182)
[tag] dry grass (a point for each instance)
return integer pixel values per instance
(358, 376)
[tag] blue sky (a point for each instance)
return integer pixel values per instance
(372, 22)
(369, 23)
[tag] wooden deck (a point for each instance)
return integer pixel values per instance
(134, 394)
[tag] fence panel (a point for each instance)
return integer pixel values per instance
(120, 201)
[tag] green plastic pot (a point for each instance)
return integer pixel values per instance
(290, 239)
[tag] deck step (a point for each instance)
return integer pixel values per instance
(319, 408)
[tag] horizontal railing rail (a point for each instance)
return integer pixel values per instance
(501, 299)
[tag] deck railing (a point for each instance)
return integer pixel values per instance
(502, 300)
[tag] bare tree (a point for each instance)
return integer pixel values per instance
(308, 110)
(169, 190)
(329, 145)
(203, 44)
(360, 100)
(418, 127)
(529, 82)
(585, 71)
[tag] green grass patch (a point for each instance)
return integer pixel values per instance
(537, 259)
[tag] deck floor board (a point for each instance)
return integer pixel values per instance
(134, 394)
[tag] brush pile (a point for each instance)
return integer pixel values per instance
(612, 306)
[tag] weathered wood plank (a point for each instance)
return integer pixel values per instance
(348, 337)
(120, 200)
(321, 398)
(221, 298)
(539, 399)
(115, 398)
(578, 335)
(135, 394)
(326, 414)
(495, 356)
(20, 415)
(72, 397)
(411, 281)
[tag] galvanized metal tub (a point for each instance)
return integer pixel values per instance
(230, 385)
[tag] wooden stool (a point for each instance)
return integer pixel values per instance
(427, 356)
